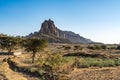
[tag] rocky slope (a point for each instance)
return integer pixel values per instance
(53, 34)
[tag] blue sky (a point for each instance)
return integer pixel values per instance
(98, 20)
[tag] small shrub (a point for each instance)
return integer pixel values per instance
(95, 47)
(32, 69)
(77, 47)
(104, 47)
(76, 63)
(118, 47)
(84, 65)
(90, 47)
(41, 72)
(67, 48)
(117, 62)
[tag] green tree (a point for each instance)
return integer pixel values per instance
(8, 43)
(34, 45)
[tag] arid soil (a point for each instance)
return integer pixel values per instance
(10, 75)
(92, 73)
(108, 73)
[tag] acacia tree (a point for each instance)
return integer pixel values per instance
(34, 45)
(8, 43)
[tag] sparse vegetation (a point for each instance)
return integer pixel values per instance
(94, 62)
(81, 54)
(67, 47)
(95, 47)
(54, 65)
(77, 47)
(103, 47)
(118, 47)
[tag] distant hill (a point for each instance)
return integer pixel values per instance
(53, 34)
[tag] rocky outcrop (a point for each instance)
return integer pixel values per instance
(53, 34)
(48, 27)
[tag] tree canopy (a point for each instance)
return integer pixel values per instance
(34, 45)
(7, 42)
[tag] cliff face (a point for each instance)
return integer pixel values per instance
(48, 27)
(53, 34)
(73, 37)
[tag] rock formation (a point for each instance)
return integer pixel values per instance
(48, 27)
(53, 34)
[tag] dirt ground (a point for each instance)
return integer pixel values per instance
(10, 75)
(108, 73)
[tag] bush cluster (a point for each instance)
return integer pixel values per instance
(77, 47)
(97, 47)
(67, 47)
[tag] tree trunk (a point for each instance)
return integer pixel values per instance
(9, 52)
(33, 57)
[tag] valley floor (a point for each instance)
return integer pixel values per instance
(91, 73)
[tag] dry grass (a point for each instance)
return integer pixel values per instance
(109, 73)
(10, 75)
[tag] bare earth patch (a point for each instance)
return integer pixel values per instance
(10, 75)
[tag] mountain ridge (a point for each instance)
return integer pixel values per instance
(53, 34)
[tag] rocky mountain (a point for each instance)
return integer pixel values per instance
(53, 34)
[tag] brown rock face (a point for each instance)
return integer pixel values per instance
(53, 34)
(48, 27)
